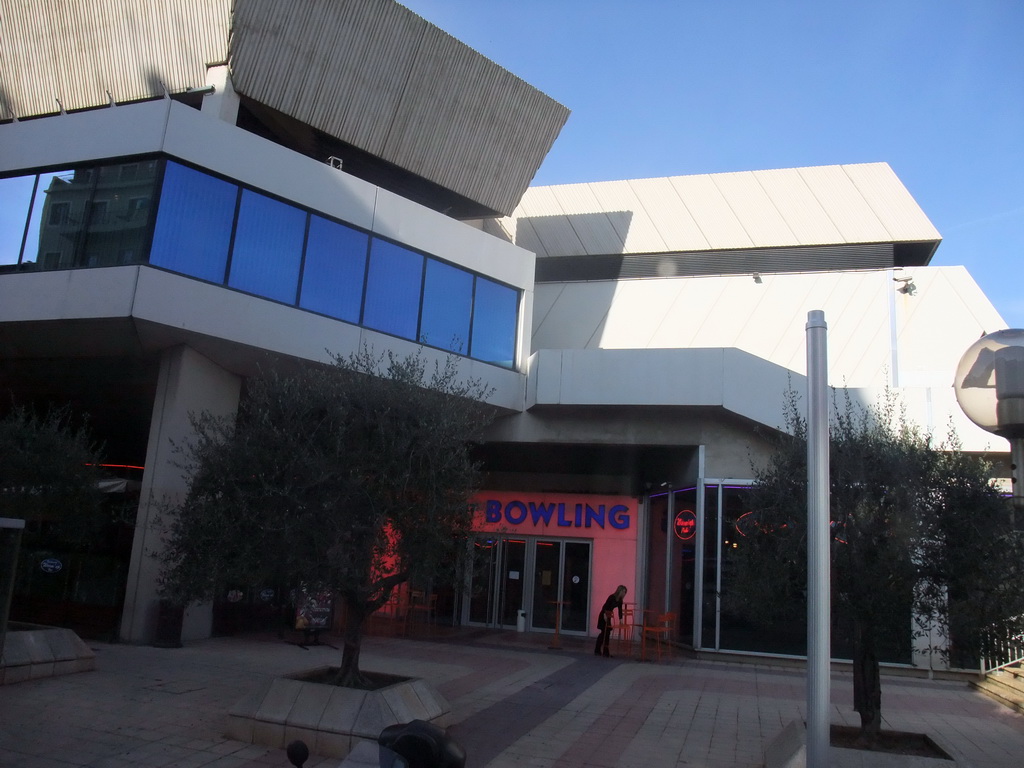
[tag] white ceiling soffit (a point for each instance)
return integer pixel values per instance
(370, 73)
(838, 205)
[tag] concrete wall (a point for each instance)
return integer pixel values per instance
(188, 384)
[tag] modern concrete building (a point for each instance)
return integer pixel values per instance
(207, 187)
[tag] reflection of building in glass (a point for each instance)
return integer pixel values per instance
(94, 217)
(638, 335)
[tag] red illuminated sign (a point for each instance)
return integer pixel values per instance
(686, 524)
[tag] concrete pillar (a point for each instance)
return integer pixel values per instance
(188, 383)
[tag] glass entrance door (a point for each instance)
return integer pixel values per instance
(496, 581)
(561, 585)
(548, 578)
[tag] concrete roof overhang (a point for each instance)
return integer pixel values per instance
(369, 78)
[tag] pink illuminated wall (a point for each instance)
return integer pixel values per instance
(610, 522)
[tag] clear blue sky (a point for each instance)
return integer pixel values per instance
(935, 88)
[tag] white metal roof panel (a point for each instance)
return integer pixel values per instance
(891, 202)
(594, 227)
(760, 219)
(845, 204)
(525, 236)
(712, 212)
(669, 215)
(796, 203)
(828, 205)
(551, 224)
(633, 223)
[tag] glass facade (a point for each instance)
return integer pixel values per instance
(447, 305)
(691, 569)
(193, 226)
(82, 217)
(394, 282)
(163, 213)
(267, 252)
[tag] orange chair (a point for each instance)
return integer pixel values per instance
(659, 628)
(624, 629)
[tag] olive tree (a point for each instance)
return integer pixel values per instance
(918, 534)
(50, 473)
(350, 478)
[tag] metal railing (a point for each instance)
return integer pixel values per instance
(1003, 646)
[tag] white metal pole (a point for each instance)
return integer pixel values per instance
(1017, 477)
(818, 563)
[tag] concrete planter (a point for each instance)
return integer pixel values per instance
(31, 652)
(789, 750)
(331, 720)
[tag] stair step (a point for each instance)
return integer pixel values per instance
(1007, 695)
(1008, 676)
(1015, 671)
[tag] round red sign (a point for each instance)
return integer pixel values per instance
(686, 524)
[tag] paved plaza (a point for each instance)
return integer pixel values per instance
(515, 704)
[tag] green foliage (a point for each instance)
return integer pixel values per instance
(49, 474)
(326, 474)
(915, 531)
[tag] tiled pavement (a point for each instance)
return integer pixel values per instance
(515, 703)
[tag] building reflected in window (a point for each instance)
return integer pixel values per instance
(184, 220)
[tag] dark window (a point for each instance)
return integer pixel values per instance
(495, 309)
(193, 223)
(332, 278)
(60, 214)
(54, 260)
(98, 213)
(117, 230)
(393, 289)
(447, 305)
(268, 247)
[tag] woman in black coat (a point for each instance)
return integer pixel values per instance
(604, 620)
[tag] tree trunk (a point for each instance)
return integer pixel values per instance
(867, 685)
(352, 641)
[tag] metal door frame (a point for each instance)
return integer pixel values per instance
(495, 602)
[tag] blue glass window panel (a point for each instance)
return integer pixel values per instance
(495, 311)
(332, 278)
(447, 307)
(268, 247)
(393, 289)
(193, 223)
(15, 198)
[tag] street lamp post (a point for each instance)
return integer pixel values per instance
(989, 386)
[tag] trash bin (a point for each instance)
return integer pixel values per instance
(521, 621)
